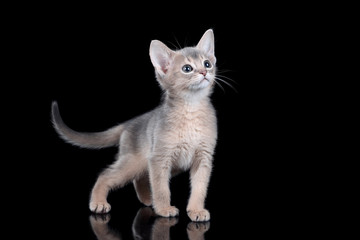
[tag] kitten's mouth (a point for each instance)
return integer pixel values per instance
(204, 79)
(203, 83)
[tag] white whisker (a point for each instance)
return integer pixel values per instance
(226, 78)
(219, 85)
(224, 71)
(178, 43)
(224, 81)
(174, 45)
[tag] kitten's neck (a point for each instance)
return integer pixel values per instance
(191, 100)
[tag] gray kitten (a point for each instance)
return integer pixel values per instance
(179, 135)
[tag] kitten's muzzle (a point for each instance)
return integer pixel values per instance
(203, 72)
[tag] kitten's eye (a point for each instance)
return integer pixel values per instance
(207, 64)
(187, 68)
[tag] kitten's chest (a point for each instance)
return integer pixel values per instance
(191, 127)
(185, 132)
(192, 132)
(188, 127)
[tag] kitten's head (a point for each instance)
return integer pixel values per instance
(188, 70)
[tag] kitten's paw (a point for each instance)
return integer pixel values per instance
(198, 215)
(170, 211)
(100, 207)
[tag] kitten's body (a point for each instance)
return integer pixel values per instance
(178, 135)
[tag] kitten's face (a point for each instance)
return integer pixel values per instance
(190, 70)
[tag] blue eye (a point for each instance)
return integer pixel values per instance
(207, 64)
(187, 68)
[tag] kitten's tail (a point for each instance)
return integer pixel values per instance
(107, 138)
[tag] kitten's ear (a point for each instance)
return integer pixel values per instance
(207, 45)
(160, 56)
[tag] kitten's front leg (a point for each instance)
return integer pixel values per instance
(200, 175)
(160, 170)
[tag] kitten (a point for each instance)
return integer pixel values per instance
(179, 135)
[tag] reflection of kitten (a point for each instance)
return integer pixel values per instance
(145, 226)
(99, 225)
(178, 135)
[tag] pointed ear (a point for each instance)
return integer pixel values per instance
(207, 45)
(160, 56)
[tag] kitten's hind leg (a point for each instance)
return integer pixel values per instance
(117, 175)
(143, 189)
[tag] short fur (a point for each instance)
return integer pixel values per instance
(179, 135)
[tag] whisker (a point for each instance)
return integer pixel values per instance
(222, 80)
(227, 78)
(219, 85)
(223, 70)
(174, 45)
(177, 42)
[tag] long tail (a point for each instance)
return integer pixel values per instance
(107, 138)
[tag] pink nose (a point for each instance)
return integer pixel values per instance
(203, 72)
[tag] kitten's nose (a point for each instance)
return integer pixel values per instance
(203, 72)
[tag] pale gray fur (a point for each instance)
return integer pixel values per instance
(82, 139)
(179, 135)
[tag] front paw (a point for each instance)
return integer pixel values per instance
(170, 211)
(198, 215)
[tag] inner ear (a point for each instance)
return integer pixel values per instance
(206, 44)
(161, 56)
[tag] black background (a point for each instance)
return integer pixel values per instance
(95, 64)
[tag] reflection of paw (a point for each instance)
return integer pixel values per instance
(170, 211)
(169, 222)
(100, 207)
(198, 215)
(145, 212)
(99, 225)
(99, 218)
(142, 223)
(195, 230)
(198, 227)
